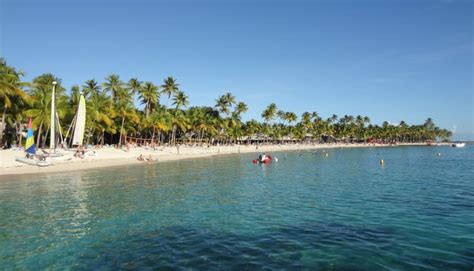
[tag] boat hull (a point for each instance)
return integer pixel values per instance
(33, 162)
(458, 145)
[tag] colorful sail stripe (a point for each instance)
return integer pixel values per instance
(30, 139)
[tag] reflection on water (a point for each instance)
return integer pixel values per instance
(341, 212)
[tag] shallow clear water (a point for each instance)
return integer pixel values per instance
(307, 211)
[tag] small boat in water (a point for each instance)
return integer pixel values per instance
(458, 145)
(263, 159)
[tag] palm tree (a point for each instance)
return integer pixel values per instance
(134, 85)
(270, 112)
(161, 121)
(11, 87)
(124, 110)
(229, 98)
(222, 105)
(100, 114)
(290, 117)
(149, 95)
(240, 108)
(179, 121)
(179, 100)
(170, 87)
(90, 88)
(114, 85)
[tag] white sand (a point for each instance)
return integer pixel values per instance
(107, 157)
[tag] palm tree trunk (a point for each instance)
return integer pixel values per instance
(121, 131)
(174, 135)
(2, 126)
(153, 135)
(39, 134)
(18, 132)
(44, 138)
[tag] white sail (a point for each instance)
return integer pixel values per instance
(80, 122)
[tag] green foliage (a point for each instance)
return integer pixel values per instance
(113, 116)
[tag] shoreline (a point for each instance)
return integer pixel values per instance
(110, 157)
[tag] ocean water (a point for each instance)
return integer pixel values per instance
(308, 211)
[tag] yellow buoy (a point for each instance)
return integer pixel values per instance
(382, 161)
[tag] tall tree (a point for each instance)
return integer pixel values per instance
(179, 100)
(90, 88)
(113, 85)
(149, 95)
(10, 87)
(170, 87)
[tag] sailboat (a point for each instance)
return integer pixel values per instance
(79, 123)
(31, 158)
(54, 120)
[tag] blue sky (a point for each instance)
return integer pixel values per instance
(389, 60)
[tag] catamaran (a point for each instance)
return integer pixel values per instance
(79, 123)
(53, 155)
(31, 158)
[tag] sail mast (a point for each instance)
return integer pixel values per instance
(53, 118)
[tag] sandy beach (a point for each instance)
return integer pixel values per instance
(109, 157)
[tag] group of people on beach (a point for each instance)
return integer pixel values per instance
(80, 152)
(149, 158)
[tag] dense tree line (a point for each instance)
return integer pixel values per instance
(113, 116)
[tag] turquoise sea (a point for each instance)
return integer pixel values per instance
(307, 211)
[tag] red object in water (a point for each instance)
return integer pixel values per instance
(266, 159)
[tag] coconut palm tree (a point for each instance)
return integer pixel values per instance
(170, 87)
(113, 85)
(125, 110)
(161, 122)
(270, 112)
(240, 108)
(134, 86)
(230, 99)
(11, 87)
(99, 116)
(90, 88)
(222, 105)
(179, 100)
(179, 121)
(149, 95)
(290, 117)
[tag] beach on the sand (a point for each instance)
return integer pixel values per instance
(109, 157)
